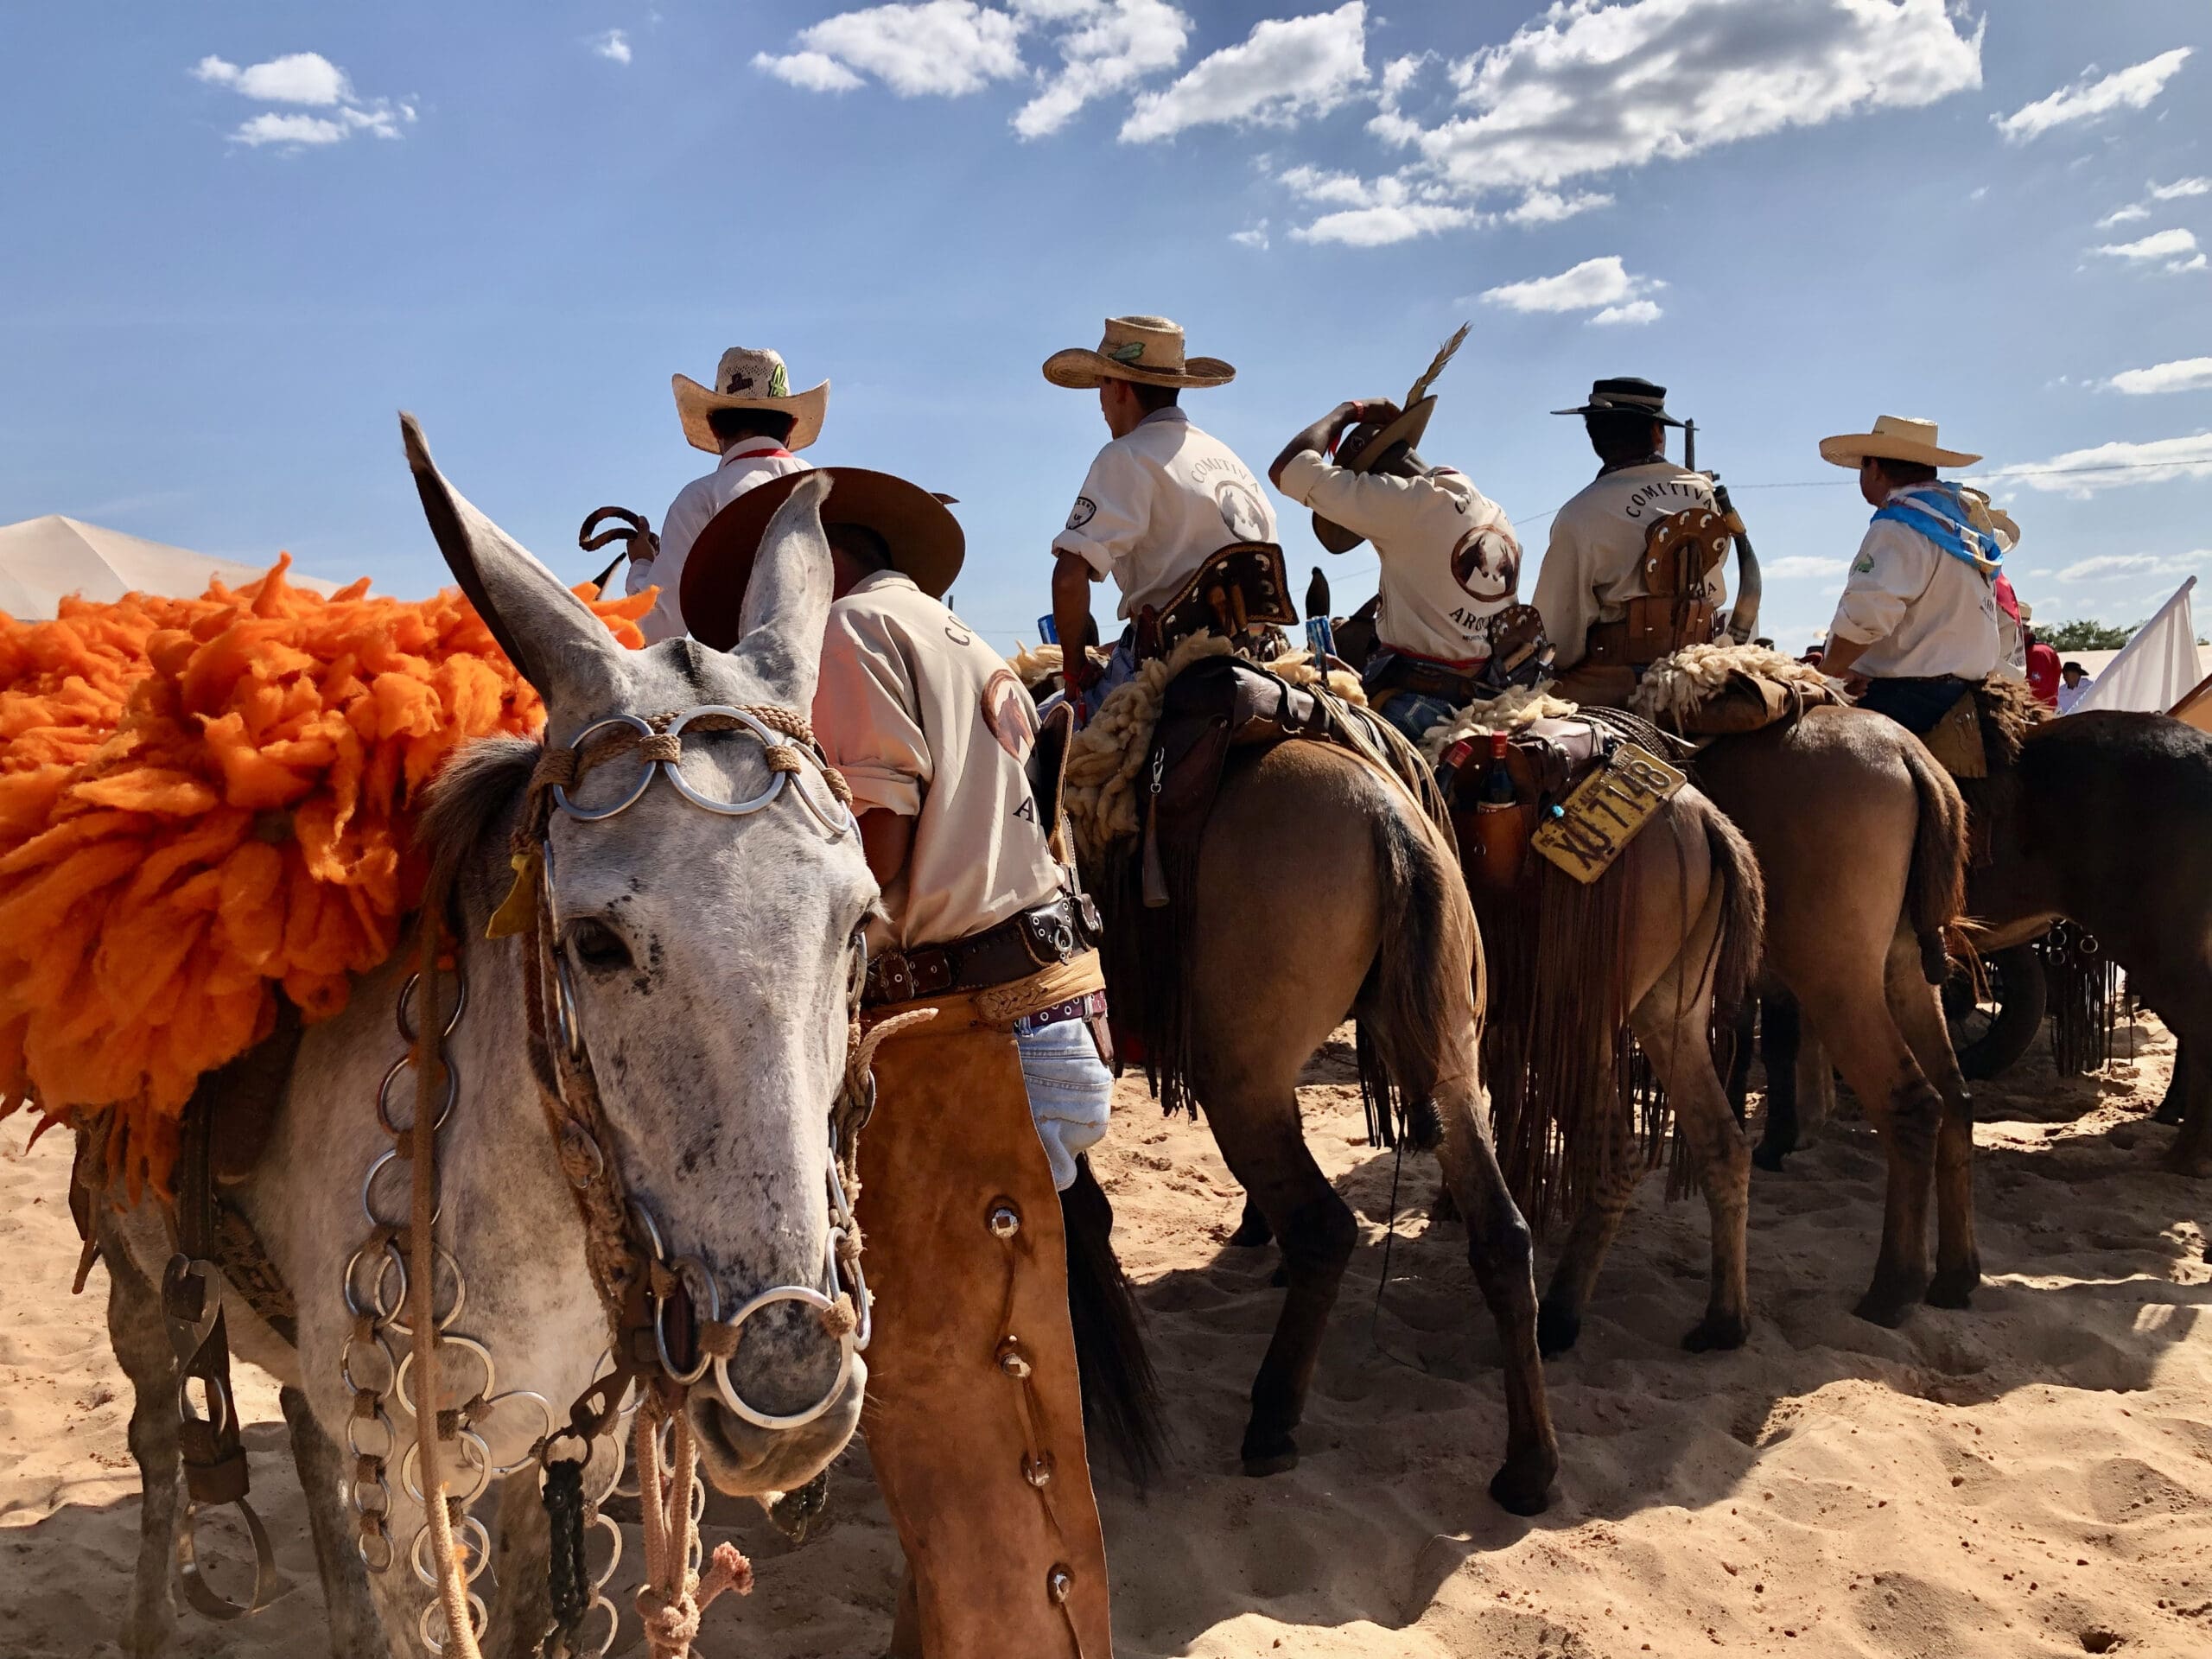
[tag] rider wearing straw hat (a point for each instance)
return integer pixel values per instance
(1158, 498)
(1594, 569)
(983, 1109)
(1450, 563)
(1918, 619)
(752, 419)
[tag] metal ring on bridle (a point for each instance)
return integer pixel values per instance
(483, 1358)
(470, 1528)
(390, 1154)
(452, 1024)
(410, 1470)
(645, 778)
(727, 809)
(660, 1316)
(445, 1106)
(772, 1420)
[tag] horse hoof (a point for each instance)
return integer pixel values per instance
(1886, 1308)
(1556, 1330)
(1950, 1288)
(1770, 1157)
(1273, 1457)
(1523, 1485)
(1718, 1330)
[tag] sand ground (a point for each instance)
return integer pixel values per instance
(2033, 1476)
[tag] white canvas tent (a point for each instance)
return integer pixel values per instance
(43, 560)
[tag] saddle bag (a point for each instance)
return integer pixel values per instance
(1239, 592)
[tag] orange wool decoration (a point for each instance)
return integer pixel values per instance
(203, 799)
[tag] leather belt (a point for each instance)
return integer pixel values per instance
(1015, 949)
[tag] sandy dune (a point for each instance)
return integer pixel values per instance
(2030, 1477)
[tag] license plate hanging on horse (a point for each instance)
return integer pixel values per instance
(1606, 811)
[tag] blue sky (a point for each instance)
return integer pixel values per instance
(243, 235)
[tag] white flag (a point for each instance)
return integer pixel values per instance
(2158, 668)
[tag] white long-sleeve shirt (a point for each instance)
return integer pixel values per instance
(754, 461)
(1920, 612)
(1594, 565)
(1156, 501)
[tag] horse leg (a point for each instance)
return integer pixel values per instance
(1679, 1053)
(2173, 1110)
(1917, 1007)
(2191, 1153)
(1503, 1257)
(355, 1632)
(1780, 1038)
(1258, 1131)
(1558, 1318)
(1744, 1034)
(1252, 1230)
(1907, 1113)
(142, 1347)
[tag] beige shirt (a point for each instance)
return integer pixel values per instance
(753, 461)
(1450, 560)
(1156, 502)
(1595, 563)
(926, 721)
(1924, 613)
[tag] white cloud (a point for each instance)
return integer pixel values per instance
(1589, 88)
(2180, 188)
(2182, 374)
(2127, 215)
(304, 78)
(812, 72)
(942, 48)
(2176, 248)
(1385, 222)
(2117, 466)
(1603, 286)
(1286, 70)
(1112, 45)
(1341, 189)
(297, 78)
(1256, 237)
(613, 46)
(2131, 88)
(1635, 311)
(1802, 564)
(2105, 566)
(1549, 207)
(273, 129)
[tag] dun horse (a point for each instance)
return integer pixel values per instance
(704, 960)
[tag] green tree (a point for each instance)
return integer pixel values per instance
(2085, 634)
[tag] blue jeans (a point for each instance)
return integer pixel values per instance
(1071, 1094)
(1916, 705)
(1416, 714)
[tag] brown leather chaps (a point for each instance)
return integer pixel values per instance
(974, 1411)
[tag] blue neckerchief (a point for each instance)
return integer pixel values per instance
(1938, 511)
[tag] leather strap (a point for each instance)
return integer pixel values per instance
(1013, 950)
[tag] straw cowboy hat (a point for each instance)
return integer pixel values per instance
(1625, 394)
(749, 377)
(1147, 350)
(1369, 445)
(925, 542)
(1895, 437)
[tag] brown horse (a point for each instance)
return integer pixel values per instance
(1324, 890)
(1861, 837)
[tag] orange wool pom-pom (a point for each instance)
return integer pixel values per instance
(203, 800)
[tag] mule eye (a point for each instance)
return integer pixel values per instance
(596, 946)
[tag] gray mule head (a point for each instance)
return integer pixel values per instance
(710, 955)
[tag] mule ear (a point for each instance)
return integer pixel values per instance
(787, 601)
(548, 634)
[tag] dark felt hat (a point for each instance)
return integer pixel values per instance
(1625, 394)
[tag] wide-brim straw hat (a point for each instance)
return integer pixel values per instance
(749, 377)
(924, 540)
(1895, 437)
(1409, 429)
(1147, 350)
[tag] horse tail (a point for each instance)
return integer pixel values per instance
(1121, 1392)
(1936, 882)
(1411, 1007)
(1741, 942)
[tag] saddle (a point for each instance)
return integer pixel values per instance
(1240, 592)
(1548, 761)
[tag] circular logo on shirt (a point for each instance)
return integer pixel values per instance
(1487, 563)
(1241, 511)
(1085, 510)
(1007, 712)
